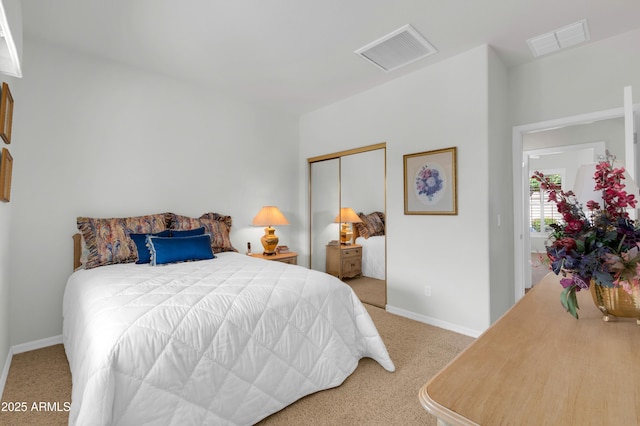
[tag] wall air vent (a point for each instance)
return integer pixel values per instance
(399, 48)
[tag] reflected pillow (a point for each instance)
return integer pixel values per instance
(372, 224)
(140, 240)
(179, 249)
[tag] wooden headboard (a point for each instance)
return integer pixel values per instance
(77, 251)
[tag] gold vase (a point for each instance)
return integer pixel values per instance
(616, 302)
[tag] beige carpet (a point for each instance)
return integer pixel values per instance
(369, 290)
(370, 396)
(37, 377)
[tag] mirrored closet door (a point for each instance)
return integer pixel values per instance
(347, 209)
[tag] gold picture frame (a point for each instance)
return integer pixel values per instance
(430, 182)
(6, 113)
(6, 166)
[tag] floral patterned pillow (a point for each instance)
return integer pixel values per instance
(107, 240)
(217, 225)
(372, 224)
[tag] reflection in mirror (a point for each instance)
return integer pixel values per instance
(325, 202)
(353, 179)
(362, 186)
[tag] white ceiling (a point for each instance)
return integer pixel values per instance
(298, 54)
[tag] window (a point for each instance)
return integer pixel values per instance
(542, 212)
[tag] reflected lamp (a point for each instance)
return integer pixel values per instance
(347, 216)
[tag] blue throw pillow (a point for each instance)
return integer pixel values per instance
(144, 256)
(169, 250)
(187, 232)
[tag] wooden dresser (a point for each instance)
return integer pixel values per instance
(344, 261)
(538, 365)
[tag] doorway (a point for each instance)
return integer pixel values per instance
(559, 163)
(577, 125)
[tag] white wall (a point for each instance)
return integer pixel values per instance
(6, 210)
(578, 81)
(500, 194)
(99, 139)
(14, 17)
(6, 215)
(610, 131)
(441, 106)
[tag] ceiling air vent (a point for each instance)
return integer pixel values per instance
(399, 48)
(561, 38)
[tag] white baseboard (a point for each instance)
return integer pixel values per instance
(37, 344)
(434, 321)
(25, 347)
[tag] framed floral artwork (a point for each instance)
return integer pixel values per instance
(6, 165)
(430, 182)
(6, 113)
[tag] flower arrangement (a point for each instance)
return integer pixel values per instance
(600, 245)
(428, 182)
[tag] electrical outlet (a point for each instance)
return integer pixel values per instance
(427, 290)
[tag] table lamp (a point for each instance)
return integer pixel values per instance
(268, 216)
(346, 216)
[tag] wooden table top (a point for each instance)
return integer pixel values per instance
(277, 256)
(538, 365)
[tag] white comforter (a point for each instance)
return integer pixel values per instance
(223, 341)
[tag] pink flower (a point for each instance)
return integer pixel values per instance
(567, 243)
(574, 226)
(592, 205)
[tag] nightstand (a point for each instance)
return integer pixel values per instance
(344, 261)
(291, 258)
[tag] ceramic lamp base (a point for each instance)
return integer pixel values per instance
(345, 234)
(269, 241)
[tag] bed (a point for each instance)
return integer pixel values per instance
(370, 234)
(225, 340)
